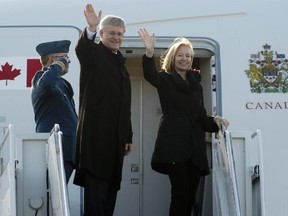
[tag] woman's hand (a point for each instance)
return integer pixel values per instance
(221, 121)
(149, 42)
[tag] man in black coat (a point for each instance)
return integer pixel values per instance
(104, 133)
(52, 98)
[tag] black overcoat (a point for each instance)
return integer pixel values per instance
(181, 131)
(104, 125)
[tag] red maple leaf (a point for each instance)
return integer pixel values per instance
(7, 73)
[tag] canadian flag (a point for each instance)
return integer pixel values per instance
(17, 72)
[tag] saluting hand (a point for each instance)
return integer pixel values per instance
(149, 41)
(92, 19)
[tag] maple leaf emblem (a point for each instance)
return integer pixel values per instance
(7, 73)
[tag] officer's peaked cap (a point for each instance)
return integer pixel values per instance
(51, 47)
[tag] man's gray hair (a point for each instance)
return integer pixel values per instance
(112, 20)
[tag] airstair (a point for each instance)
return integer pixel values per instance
(235, 187)
(37, 159)
(7, 173)
(32, 179)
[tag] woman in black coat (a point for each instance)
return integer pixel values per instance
(180, 151)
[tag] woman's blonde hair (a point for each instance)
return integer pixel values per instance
(168, 57)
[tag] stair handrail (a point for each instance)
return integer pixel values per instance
(230, 155)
